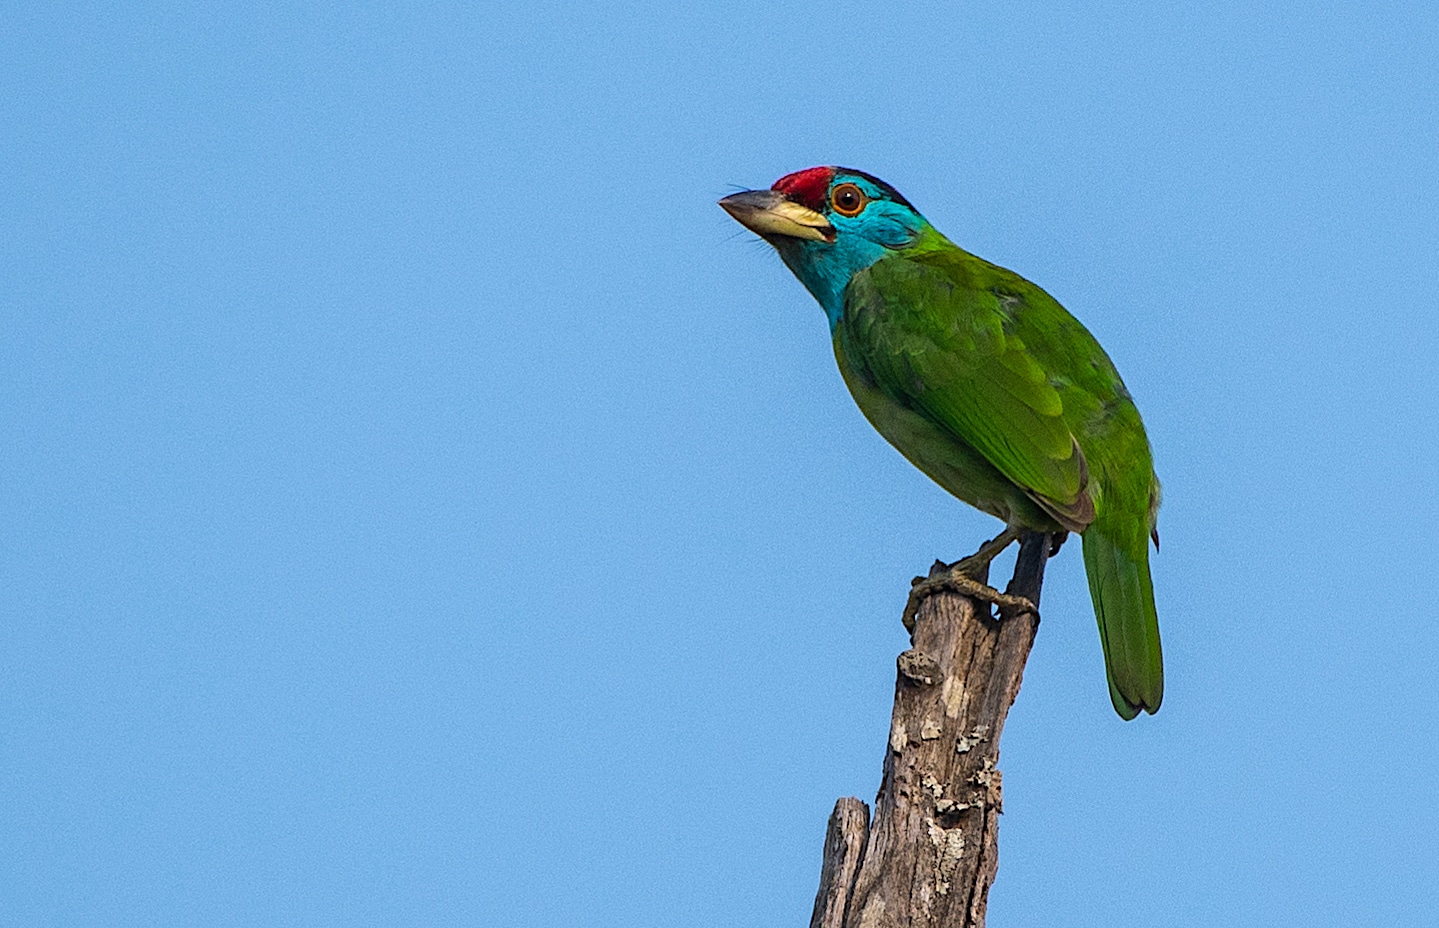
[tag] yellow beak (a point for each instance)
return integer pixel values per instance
(768, 214)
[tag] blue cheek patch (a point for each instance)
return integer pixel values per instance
(883, 223)
(826, 269)
(890, 231)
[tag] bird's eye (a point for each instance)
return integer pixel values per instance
(847, 200)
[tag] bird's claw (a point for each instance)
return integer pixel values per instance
(955, 580)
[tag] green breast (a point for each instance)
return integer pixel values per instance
(945, 459)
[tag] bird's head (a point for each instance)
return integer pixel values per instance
(828, 224)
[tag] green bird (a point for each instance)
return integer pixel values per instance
(986, 384)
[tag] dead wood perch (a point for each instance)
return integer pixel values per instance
(931, 853)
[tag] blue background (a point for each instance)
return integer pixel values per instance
(422, 505)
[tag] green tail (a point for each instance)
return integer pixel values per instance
(1128, 625)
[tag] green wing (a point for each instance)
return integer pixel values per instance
(995, 363)
(953, 352)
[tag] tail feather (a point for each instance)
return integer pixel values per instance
(1128, 624)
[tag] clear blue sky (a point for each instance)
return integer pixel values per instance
(421, 505)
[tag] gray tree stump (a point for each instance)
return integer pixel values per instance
(929, 857)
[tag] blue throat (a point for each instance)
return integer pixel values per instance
(826, 268)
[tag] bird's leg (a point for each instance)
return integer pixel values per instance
(962, 577)
(977, 564)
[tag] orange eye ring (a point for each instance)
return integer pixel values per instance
(848, 200)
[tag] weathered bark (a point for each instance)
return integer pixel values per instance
(929, 857)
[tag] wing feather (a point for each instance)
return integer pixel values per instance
(948, 351)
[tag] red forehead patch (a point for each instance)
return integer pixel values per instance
(807, 187)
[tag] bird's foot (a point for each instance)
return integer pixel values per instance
(962, 577)
(957, 582)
